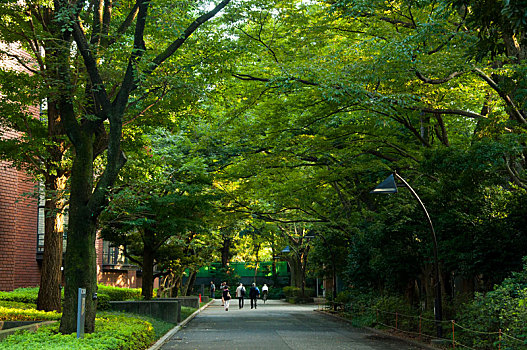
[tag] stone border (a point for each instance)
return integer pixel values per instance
(161, 341)
(380, 332)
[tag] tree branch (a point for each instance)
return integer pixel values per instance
(517, 113)
(185, 35)
(90, 62)
(437, 81)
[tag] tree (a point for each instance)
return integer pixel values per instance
(41, 147)
(97, 119)
(164, 202)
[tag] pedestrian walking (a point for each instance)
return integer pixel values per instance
(222, 285)
(254, 293)
(240, 294)
(226, 297)
(212, 289)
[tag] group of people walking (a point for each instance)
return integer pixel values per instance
(254, 294)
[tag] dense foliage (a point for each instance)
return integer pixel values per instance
(274, 130)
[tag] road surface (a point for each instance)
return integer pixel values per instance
(274, 326)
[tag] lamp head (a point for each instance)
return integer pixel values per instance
(387, 186)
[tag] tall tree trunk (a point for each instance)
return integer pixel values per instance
(191, 281)
(55, 175)
(51, 275)
(225, 252)
(80, 259)
(296, 271)
(185, 288)
(257, 262)
(177, 285)
(147, 283)
(303, 265)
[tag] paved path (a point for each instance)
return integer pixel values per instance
(274, 326)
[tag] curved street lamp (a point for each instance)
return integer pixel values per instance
(389, 186)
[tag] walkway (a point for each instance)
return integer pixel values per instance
(274, 326)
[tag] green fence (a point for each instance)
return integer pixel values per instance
(246, 269)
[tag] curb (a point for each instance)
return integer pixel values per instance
(384, 334)
(176, 329)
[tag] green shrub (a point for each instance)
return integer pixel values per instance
(290, 291)
(120, 294)
(9, 314)
(503, 308)
(17, 305)
(103, 302)
(276, 293)
(393, 309)
(21, 295)
(131, 333)
(30, 295)
(160, 327)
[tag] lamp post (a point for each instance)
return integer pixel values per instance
(389, 186)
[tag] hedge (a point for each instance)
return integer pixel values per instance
(296, 292)
(21, 295)
(131, 333)
(106, 293)
(10, 314)
(17, 305)
(120, 294)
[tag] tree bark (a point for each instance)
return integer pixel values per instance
(147, 283)
(296, 272)
(191, 281)
(49, 298)
(80, 260)
(225, 252)
(185, 289)
(55, 175)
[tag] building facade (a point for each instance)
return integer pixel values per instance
(18, 233)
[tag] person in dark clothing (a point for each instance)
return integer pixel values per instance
(254, 293)
(226, 297)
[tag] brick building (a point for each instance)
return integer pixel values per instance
(18, 234)
(22, 237)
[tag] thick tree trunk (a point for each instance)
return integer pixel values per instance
(51, 275)
(185, 287)
(147, 284)
(191, 281)
(49, 298)
(428, 285)
(80, 259)
(296, 272)
(225, 252)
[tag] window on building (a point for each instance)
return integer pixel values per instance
(41, 222)
(112, 255)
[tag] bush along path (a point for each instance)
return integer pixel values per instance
(114, 330)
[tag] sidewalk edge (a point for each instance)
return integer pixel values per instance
(174, 330)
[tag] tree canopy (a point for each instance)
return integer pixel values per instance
(265, 124)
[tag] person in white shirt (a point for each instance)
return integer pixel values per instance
(240, 294)
(265, 291)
